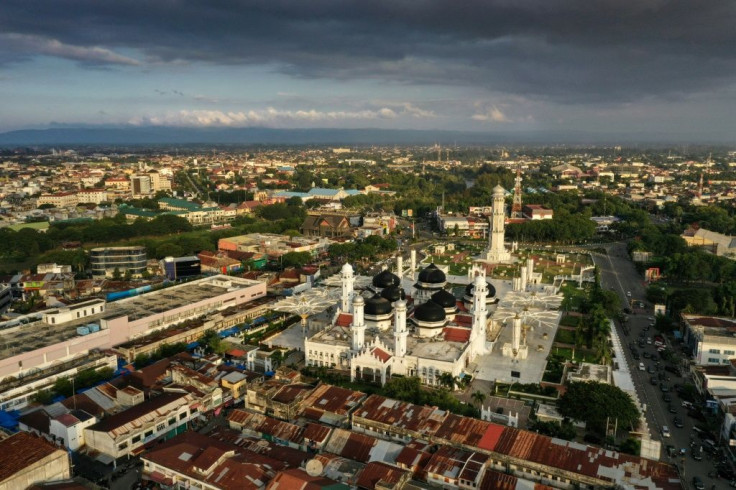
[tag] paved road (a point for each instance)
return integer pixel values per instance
(618, 274)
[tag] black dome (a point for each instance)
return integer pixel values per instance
(393, 293)
(470, 289)
(376, 305)
(432, 275)
(444, 298)
(429, 312)
(385, 279)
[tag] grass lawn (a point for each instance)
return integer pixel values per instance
(565, 336)
(580, 354)
(569, 321)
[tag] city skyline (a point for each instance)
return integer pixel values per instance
(649, 67)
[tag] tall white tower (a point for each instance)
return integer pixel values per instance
(516, 334)
(480, 317)
(358, 326)
(348, 281)
(496, 251)
(400, 331)
(400, 266)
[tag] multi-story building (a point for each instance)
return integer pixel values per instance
(56, 338)
(709, 338)
(92, 196)
(123, 433)
(140, 185)
(59, 200)
(105, 260)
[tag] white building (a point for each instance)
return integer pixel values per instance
(436, 341)
(710, 338)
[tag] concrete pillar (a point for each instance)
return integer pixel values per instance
(523, 278)
(400, 267)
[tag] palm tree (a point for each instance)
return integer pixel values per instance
(448, 380)
(479, 397)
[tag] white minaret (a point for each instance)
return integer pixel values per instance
(413, 262)
(496, 251)
(516, 334)
(358, 326)
(400, 266)
(522, 278)
(480, 317)
(400, 331)
(348, 281)
(530, 270)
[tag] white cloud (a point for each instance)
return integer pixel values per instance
(493, 114)
(406, 109)
(267, 116)
(33, 44)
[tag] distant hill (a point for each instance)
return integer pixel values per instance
(160, 135)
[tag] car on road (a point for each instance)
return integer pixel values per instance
(647, 355)
(628, 293)
(649, 341)
(698, 483)
(671, 408)
(665, 431)
(651, 370)
(667, 398)
(697, 453)
(641, 367)
(654, 381)
(677, 422)
(664, 388)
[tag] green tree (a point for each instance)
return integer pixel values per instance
(116, 274)
(478, 397)
(212, 342)
(595, 403)
(295, 259)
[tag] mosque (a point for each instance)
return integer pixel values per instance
(382, 331)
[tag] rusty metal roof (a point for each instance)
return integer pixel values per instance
(418, 418)
(333, 399)
(380, 472)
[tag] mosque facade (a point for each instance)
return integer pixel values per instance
(382, 331)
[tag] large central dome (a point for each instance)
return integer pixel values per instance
(385, 279)
(432, 275)
(444, 298)
(429, 312)
(376, 306)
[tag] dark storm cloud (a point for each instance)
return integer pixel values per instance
(572, 51)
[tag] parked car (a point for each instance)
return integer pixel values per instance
(677, 422)
(641, 367)
(665, 431)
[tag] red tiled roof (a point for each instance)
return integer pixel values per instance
(381, 354)
(344, 320)
(456, 334)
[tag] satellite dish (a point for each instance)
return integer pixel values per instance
(314, 467)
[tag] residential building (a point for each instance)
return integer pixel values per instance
(327, 225)
(536, 211)
(104, 261)
(716, 243)
(181, 267)
(26, 460)
(126, 432)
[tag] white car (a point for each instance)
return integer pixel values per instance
(628, 293)
(641, 367)
(665, 431)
